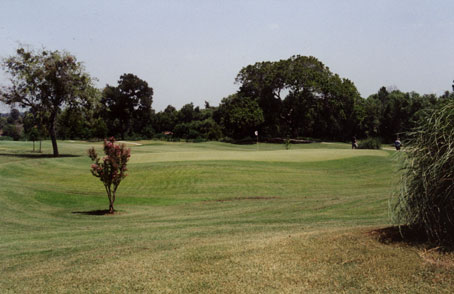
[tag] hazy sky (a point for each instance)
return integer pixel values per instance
(191, 51)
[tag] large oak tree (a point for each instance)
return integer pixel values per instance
(300, 96)
(46, 81)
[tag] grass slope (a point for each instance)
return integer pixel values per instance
(207, 218)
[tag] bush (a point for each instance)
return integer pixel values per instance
(111, 168)
(426, 199)
(370, 143)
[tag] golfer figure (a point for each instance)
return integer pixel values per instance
(354, 143)
(397, 143)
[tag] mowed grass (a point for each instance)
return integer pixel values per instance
(208, 218)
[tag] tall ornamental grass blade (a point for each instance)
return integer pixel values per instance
(426, 199)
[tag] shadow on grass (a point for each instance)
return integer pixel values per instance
(403, 234)
(409, 236)
(36, 155)
(96, 212)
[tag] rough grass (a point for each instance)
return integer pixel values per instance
(207, 218)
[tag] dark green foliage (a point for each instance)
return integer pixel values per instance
(166, 120)
(82, 121)
(74, 123)
(127, 107)
(3, 122)
(99, 129)
(14, 131)
(12, 126)
(370, 143)
(207, 129)
(239, 116)
(189, 123)
(33, 134)
(426, 199)
(386, 114)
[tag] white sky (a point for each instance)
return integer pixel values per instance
(191, 51)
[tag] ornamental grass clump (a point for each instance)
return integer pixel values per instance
(426, 199)
(110, 169)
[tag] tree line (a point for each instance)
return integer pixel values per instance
(298, 97)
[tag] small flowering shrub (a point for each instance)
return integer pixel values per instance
(111, 168)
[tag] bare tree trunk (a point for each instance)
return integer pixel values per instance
(111, 199)
(33, 145)
(53, 137)
(53, 134)
(40, 146)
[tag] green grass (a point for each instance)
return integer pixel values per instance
(207, 218)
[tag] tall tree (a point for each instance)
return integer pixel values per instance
(265, 82)
(128, 104)
(390, 113)
(300, 96)
(45, 81)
